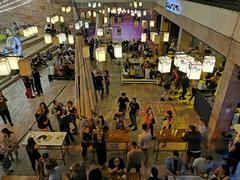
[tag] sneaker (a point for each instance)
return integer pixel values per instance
(162, 99)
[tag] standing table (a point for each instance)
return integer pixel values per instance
(166, 135)
(118, 136)
(49, 141)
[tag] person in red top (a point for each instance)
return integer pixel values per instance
(150, 121)
(168, 120)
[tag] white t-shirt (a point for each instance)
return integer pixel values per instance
(201, 165)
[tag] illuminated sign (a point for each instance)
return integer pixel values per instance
(173, 6)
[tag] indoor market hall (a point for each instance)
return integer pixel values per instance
(126, 90)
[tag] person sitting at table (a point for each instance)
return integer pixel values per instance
(9, 141)
(194, 140)
(119, 118)
(222, 173)
(116, 165)
(132, 72)
(168, 120)
(72, 112)
(42, 120)
(135, 157)
(174, 165)
(203, 166)
(101, 149)
(64, 126)
(154, 174)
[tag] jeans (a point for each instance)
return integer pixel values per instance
(69, 136)
(5, 114)
(133, 119)
(183, 94)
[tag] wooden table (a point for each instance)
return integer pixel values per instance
(19, 178)
(118, 136)
(48, 140)
(115, 176)
(167, 135)
(184, 178)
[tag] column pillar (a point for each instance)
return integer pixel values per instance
(185, 41)
(226, 100)
(179, 38)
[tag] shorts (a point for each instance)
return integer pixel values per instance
(193, 155)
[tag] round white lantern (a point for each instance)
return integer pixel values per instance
(4, 67)
(143, 37)
(164, 64)
(118, 51)
(48, 38)
(208, 64)
(100, 54)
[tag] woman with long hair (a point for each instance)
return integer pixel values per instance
(9, 141)
(32, 151)
(41, 116)
(4, 112)
(150, 121)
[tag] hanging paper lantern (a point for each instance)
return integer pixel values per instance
(62, 38)
(61, 19)
(164, 64)
(70, 39)
(165, 37)
(86, 25)
(118, 51)
(35, 29)
(105, 20)
(139, 13)
(144, 24)
(128, 11)
(63, 9)
(152, 23)
(140, 3)
(135, 4)
(77, 26)
(114, 10)
(143, 37)
(80, 23)
(100, 54)
(48, 19)
(68, 9)
(85, 52)
(13, 62)
(130, 4)
(89, 4)
(94, 14)
(152, 35)
(144, 13)
(100, 32)
(184, 63)
(89, 14)
(94, 4)
(177, 58)
(132, 13)
(208, 64)
(5, 69)
(48, 38)
(194, 72)
(99, 4)
(108, 9)
(26, 33)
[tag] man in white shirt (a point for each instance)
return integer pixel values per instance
(144, 140)
(203, 166)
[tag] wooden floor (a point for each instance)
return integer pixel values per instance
(22, 112)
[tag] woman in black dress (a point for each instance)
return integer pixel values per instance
(32, 151)
(37, 82)
(100, 147)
